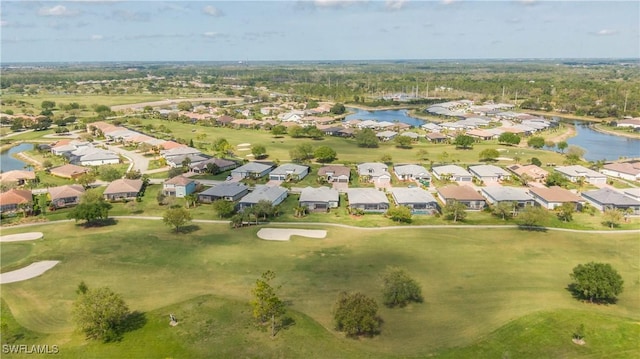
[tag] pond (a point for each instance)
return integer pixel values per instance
(598, 145)
(8, 162)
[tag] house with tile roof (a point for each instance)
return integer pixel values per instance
(17, 177)
(462, 194)
(534, 172)
(65, 196)
(555, 196)
(15, 200)
(123, 189)
(179, 186)
(335, 173)
(69, 171)
(625, 170)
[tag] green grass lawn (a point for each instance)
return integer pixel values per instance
(476, 283)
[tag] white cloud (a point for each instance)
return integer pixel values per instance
(448, 2)
(126, 15)
(335, 3)
(395, 4)
(211, 34)
(3, 23)
(58, 10)
(96, 37)
(212, 11)
(606, 32)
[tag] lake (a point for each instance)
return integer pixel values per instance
(598, 145)
(603, 146)
(8, 162)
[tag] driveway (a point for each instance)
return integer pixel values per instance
(138, 161)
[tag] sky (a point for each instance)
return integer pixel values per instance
(103, 30)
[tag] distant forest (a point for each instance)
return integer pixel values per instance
(597, 88)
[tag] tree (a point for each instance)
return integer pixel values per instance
(338, 109)
(92, 208)
(160, 197)
(536, 161)
(536, 142)
(612, 217)
(185, 106)
(455, 211)
(278, 130)
(596, 281)
(176, 217)
(562, 145)
(399, 289)
(259, 151)
(403, 141)
(504, 209)
(175, 171)
(574, 154)
(263, 208)
(212, 168)
(356, 314)
(134, 174)
(367, 138)
(266, 304)
(325, 154)
(422, 154)
(399, 214)
(221, 146)
(191, 200)
(463, 141)
(48, 105)
(556, 179)
(509, 138)
(565, 211)
(224, 208)
(532, 217)
(100, 313)
(489, 154)
(301, 152)
(109, 173)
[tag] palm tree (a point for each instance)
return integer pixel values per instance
(191, 199)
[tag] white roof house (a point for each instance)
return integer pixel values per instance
(417, 199)
(499, 194)
(288, 171)
(275, 195)
(411, 171)
(452, 172)
(489, 173)
(376, 171)
(367, 199)
(251, 169)
(319, 199)
(575, 172)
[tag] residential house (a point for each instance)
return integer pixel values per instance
(607, 198)
(274, 195)
(251, 170)
(411, 172)
(374, 172)
(632, 192)
(15, 200)
(534, 172)
(555, 196)
(629, 122)
(386, 135)
(489, 173)
(335, 173)
(436, 137)
(179, 186)
(123, 189)
(224, 120)
(412, 135)
(431, 127)
(65, 196)
(17, 177)
(319, 199)
(188, 160)
(417, 199)
(576, 172)
(91, 156)
(228, 191)
(367, 199)
(625, 170)
(221, 163)
(69, 171)
(288, 172)
(520, 196)
(452, 173)
(463, 194)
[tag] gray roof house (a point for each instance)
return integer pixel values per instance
(411, 172)
(289, 171)
(221, 163)
(275, 195)
(453, 173)
(386, 135)
(495, 195)
(367, 199)
(319, 199)
(607, 198)
(575, 172)
(374, 172)
(228, 191)
(251, 169)
(489, 173)
(417, 199)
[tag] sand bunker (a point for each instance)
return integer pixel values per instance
(31, 271)
(283, 234)
(31, 236)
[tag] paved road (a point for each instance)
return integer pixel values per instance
(138, 161)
